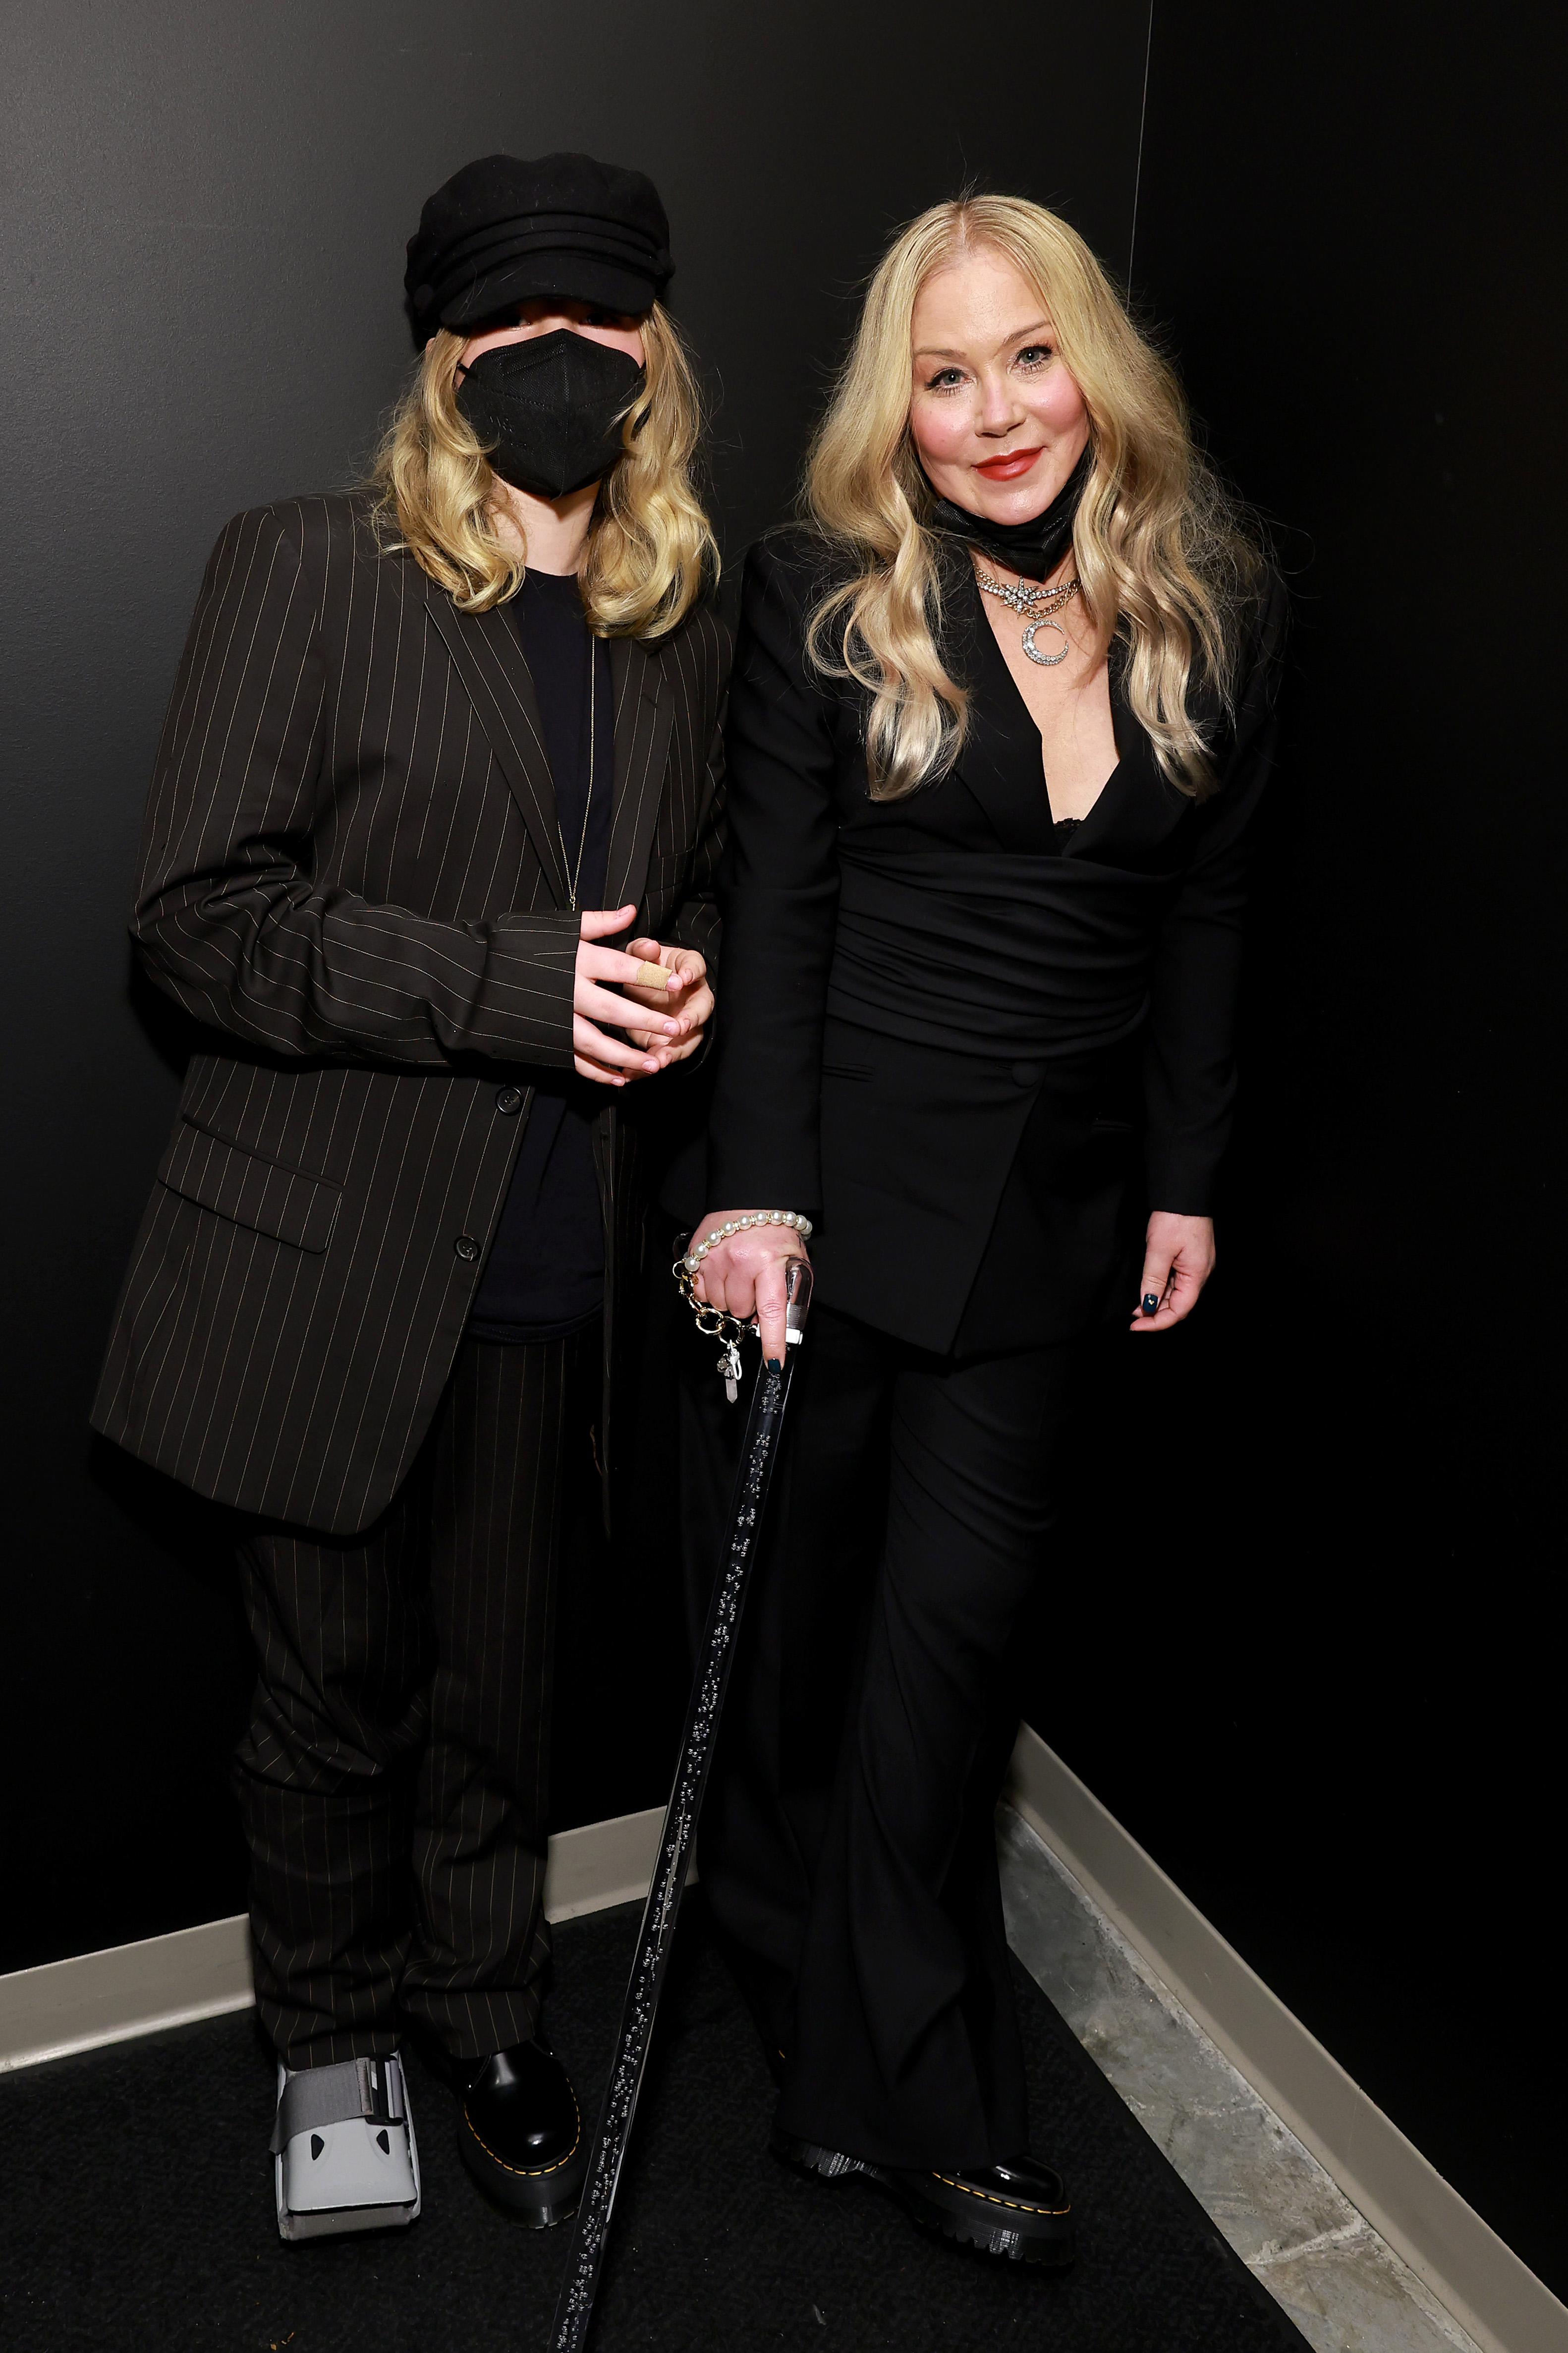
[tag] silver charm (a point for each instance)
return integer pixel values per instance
(730, 1370)
(1047, 661)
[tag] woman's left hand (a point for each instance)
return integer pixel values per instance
(1178, 1259)
(690, 1002)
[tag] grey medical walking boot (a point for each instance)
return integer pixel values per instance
(344, 2157)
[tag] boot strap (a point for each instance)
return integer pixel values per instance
(367, 2088)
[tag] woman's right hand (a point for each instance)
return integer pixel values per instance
(594, 1055)
(745, 1274)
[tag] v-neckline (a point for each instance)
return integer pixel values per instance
(1001, 807)
(1030, 722)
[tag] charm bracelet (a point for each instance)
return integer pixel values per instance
(717, 1323)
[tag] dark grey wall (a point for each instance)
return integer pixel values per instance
(1296, 1632)
(1315, 1664)
(205, 212)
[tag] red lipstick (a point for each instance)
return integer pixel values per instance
(1008, 468)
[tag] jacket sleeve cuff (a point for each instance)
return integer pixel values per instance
(529, 987)
(1181, 1172)
(750, 1180)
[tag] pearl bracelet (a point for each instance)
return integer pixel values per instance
(743, 1225)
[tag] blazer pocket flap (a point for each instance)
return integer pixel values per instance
(251, 1191)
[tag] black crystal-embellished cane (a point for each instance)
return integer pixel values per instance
(575, 2308)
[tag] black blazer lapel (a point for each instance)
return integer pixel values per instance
(490, 664)
(645, 714)
(1000, 763)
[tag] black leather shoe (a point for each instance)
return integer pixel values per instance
(1019, 2211)
(521, 2132)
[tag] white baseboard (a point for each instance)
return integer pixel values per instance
(602, 1864)
(130, 1990)
(1467, 2266)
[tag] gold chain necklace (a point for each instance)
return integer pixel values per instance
(1038, 607)
(588, 802)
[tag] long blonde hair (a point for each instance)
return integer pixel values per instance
(650, 550)
(1164, 561)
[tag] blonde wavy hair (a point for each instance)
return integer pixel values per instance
(650, 552)
(1165, 562)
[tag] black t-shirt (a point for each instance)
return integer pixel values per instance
(545, 1273)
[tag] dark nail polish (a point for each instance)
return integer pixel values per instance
(1150, 1302)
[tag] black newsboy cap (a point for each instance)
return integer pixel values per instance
(502, 230)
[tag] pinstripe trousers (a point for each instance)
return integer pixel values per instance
(393, 1778)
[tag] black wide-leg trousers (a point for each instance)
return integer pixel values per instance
(847, 1847)
(394, 1776)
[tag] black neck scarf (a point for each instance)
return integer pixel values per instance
(1032, 549)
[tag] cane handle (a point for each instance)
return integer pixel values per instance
(797, 1300)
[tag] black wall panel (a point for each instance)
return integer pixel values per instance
(205, 214)
(1310, 1653)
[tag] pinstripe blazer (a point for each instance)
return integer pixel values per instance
(352, 874)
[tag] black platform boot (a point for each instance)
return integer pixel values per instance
(1019, 2211)
(521, 2132)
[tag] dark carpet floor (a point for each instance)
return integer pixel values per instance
(136, 2212)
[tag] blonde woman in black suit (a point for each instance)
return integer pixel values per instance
(1002, 717)
(429, 851)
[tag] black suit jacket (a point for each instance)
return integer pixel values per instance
(352, 874)
(899, 1148)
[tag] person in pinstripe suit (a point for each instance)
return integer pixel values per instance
(405, 919)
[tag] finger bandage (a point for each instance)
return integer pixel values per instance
(652, 975)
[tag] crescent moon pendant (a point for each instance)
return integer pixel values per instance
(1047, 661)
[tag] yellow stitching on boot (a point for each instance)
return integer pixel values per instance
(531, 2172)
(1015, 2205)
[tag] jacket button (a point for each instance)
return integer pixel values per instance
(466, 1248)
(508, 1099)
(1026, 1074)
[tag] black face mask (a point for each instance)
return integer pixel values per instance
(548, 409)
(1032, 549)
